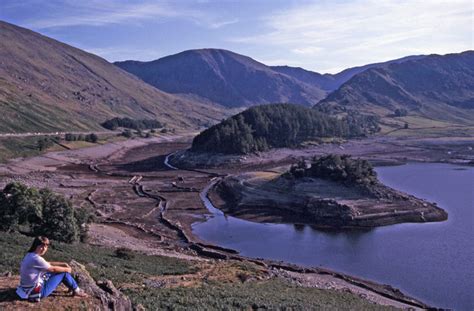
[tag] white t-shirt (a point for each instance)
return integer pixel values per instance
(32, 268)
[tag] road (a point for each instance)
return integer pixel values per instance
(32, 134)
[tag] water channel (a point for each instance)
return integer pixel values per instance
(433, 261)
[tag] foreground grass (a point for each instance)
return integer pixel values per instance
(220, 292)
(272, 294)
(101, 262)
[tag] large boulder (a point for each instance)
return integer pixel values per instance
(110, 297)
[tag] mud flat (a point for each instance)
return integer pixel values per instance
(269, 197)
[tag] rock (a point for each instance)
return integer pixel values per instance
(155, 283)
(110, 297)
(139, 307)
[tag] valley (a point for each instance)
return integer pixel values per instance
(209, 179)
(143, 204)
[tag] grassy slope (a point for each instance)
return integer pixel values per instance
(47, 86)
(18, 147)
(272, 295)
(222, 295)
(433, 90)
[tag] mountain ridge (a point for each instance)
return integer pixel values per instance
(330, 82)
(208, 74)
(439, 87)
(47, 85)
(224, 77)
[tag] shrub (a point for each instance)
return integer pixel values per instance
(20, 206)
(124, 253)
(92, 138)
(341, 168)
(143, 124)
(44, 143)
(70, 137)
(40, 212)
(400, 112)
(58, 221)
(127, 133)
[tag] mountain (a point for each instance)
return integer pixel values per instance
(434, 87)
(326, 82)
(46, 85)
(330, 82)
(223, 77)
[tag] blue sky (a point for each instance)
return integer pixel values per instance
(323, 36)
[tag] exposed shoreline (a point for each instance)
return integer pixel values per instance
(261, 199)
(100, 177)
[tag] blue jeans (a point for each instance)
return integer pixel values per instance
(54, 279)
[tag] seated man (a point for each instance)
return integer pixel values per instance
(39, 278)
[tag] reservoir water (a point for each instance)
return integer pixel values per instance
(432, 261)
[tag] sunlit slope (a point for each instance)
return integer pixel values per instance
(46, 85)
(431, 92)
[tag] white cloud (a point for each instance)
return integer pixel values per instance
(362, 31)
(106, 12)
(307, 50)
(220, 24)
(280, 62)
(119, 53)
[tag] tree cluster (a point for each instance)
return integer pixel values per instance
(340, 168)
(128, 123)
(275, 126)
(44, 143)
(41, 212)
(89, 137)
(361, 124)
(400, 112)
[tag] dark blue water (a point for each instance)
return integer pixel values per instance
(433, 262)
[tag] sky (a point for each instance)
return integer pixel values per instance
(322, 36)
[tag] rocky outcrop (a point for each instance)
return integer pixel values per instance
(109, 296)
(328, 209)
(320, 203)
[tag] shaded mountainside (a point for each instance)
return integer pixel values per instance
(434, 87)
(46, 85)
(277, 126)
(330, 82)
(223, 77)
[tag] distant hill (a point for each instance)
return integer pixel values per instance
(433, 87)
(46, 85)
(235, 80)
(330, 82)
(276, 126)
(223, 77)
